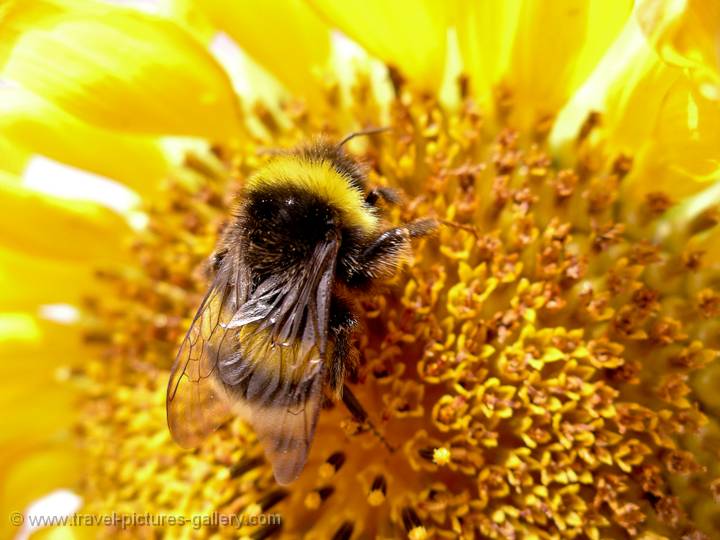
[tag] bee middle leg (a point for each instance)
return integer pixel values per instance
(344, 362)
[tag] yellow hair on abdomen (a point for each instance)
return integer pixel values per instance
(321, 179)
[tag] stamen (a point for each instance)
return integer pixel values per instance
(344, 532)
(427, 453)
(591, 122)
(315, 498)
(246, 465)
(267, 531)
(332, 465)
(704, 221)
(271, 499)
(622, 165)
(378, 490)
(441, 456)
(413, 525)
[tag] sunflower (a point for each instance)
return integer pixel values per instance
(546, 367)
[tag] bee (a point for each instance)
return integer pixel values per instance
(272, 336)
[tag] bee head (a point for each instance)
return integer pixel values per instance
(305, 197)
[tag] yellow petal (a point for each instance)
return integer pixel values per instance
(634, 100)
(284, 36)
(638, 90)
(36, 447)
(188, 14)
(34, 352)
(670, 127)
(117, 68)
(28, 473)
(687, 136)
(408, 34)
(606, 19)
(68, 532)
(27, 282)
(39, 417)
(40, 127)
(485, 33)
(557, 44)
(653, 174)
(23, 335)
(686, 34)
(13, 158)
(652, 112)
(547, 42)
(709, 243)
(46, 226)
(628, 87)
(707, 240)
(36, 452)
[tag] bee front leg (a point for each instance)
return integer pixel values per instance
(381, 258)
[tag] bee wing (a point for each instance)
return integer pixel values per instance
(280, 396)
(275, 376)
(197, 401)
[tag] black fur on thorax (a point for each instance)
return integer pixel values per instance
(281, 226)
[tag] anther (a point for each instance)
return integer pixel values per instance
(591, 122)
(441, 456)
(267, 531)
(427, 453)
(344, 532)
(622, 165)
(331, 465)
(315, 498)
(245, 465)
(705, 220)
(378, 490)
(271, 499)
(413, 525)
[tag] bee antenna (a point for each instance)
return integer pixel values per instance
(468, 228)
(367, 131)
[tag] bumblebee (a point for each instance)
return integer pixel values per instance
(272, 335)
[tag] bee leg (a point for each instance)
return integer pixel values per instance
(215, 261)
(360, 415)
(344, 357)
(389, 195)
(344, 360)
(381, 258)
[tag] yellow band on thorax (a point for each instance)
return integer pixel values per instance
(321, 179)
